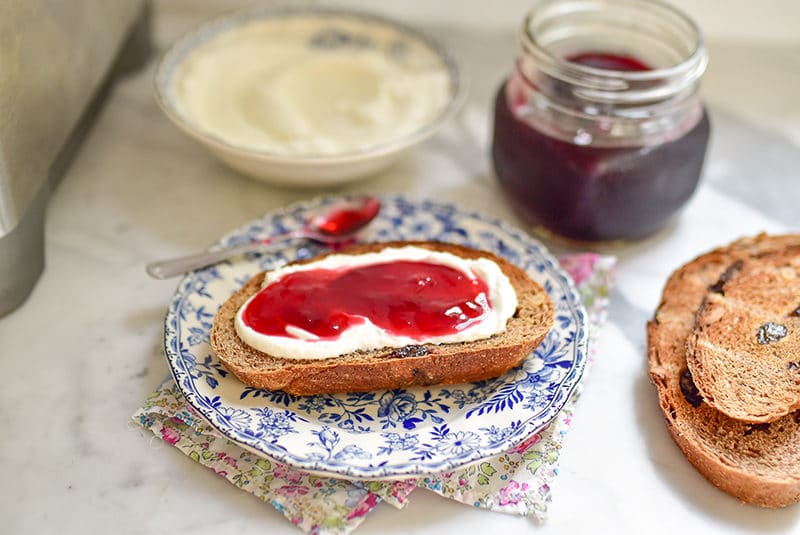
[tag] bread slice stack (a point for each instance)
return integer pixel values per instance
(724, 355)
(388, 368)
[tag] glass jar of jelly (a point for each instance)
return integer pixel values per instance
(599, 133)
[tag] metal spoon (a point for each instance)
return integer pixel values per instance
(334, 224)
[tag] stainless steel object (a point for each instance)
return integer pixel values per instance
(57, 60)
(166, 269)
(336, 223)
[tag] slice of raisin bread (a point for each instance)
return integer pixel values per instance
(744, 350)
(388, 368)
(758, 464)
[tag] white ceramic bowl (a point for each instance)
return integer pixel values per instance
(306, 170)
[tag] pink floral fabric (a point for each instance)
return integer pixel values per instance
(315, 504)
(518, 481)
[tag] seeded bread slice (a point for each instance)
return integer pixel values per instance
(758, 464)
(744, 351)
(389, 368)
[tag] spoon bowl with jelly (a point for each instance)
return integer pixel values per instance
(333, 224)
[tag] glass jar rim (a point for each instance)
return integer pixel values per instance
(607, 84)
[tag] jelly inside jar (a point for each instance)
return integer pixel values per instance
(605, 60)
(595, 193)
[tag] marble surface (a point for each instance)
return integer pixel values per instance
(82, 353)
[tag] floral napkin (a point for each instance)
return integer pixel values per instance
(518, 481)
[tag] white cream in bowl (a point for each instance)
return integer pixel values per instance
(320, 93)
(267, 87)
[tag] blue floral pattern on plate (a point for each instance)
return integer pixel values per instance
(381, 434)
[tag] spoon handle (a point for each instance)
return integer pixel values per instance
(166, 269)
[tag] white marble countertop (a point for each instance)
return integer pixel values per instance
(83, 352)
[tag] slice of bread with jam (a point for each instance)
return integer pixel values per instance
(389, 368)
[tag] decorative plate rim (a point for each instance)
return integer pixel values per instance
(385, 471)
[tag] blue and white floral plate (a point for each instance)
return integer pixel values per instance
(382, 434)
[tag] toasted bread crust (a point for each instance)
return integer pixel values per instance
(385, 368)
(758, 464)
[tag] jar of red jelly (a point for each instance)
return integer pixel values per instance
(599, 133)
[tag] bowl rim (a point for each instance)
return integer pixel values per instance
(180, 49)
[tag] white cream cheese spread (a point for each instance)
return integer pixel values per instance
(273, 86)
(498, 306)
